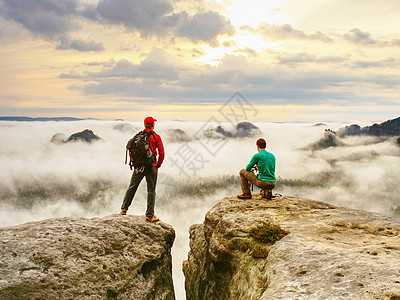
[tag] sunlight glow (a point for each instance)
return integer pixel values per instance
(254, 12)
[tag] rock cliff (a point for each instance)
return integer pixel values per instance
(330, 252)
(114, 257)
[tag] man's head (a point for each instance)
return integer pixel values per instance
(261, 144)
(149, 122)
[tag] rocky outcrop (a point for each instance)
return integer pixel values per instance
(351, 130)
(59, 138)
(328, 140)
(247, 129)
(330, 252)
(178, 136)
(86, 135)
(242, 130)
(114, 257)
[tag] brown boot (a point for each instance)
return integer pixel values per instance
(269, 195)
(244, 196)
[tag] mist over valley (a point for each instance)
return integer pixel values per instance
(43, 179)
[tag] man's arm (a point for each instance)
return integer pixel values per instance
(252, 162)
(161, 153)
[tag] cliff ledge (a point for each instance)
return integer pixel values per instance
(114, 257)
(330, 252)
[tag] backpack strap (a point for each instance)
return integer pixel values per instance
(151, 133)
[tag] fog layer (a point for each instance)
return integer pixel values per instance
(42, 179)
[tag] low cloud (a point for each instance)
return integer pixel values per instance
(89, 180)
(206, 26)
(229, 43)
(365, 64)
(169, 80)
(247, 50)
(45, 18)
(286, 31)
(55, 19)
(395, 42)
(156, 17)
(292, 59)
(198, 52)
(145, 16)
(156, 65)
(80, 45)
(357, 36)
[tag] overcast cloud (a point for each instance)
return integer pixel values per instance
(164, 77)
(57, 18)
(80, 45)
(47, 18)
(93, 55)
(355, 35)
(285, 31)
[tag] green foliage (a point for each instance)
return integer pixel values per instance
(281, 182)
(206, 186)
(254, 248)
(241, 244)
(28, 195)
(259, 251)
(388, 128)
(268, 233)
(261, 237)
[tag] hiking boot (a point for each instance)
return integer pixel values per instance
(152, 219)
(123, 211)
(244, 196)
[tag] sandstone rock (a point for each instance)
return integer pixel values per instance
(247, 129)
(114, 257)
(217, 133)
(242, 130)
(58, 138)
(86, 135)
(353, 129)
(330, 253)
(319, 125)
(178, 136)
(328, 140)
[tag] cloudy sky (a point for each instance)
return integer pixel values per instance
(292, 60)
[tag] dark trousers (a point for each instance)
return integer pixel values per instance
(151, 179)
(246, 177)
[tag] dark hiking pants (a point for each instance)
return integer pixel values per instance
(246, 177)
(151, 179)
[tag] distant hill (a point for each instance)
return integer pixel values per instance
(43, 119)
(387, 128)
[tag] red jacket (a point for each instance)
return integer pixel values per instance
(156, 143)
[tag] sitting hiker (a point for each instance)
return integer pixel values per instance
(264, 161)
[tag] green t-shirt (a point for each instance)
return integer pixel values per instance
(265, 162)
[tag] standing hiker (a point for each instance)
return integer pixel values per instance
(264, 161)
(145, 165)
